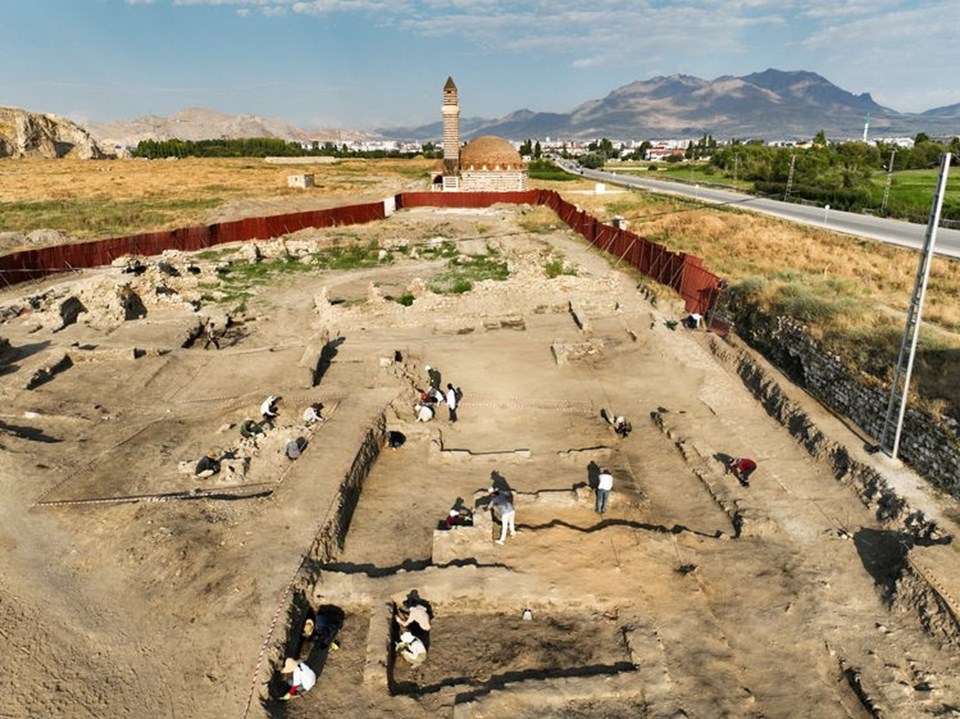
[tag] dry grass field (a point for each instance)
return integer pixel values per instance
(852, 293)
(92, 199)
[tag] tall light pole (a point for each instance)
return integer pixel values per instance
(886, 189)
(893, 422)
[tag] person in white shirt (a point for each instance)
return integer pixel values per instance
(411, 649)
(423, 411)
(604, 485)
(269, 410)
(312, 413)
(301, 678)
(416, 614)
(452, 402)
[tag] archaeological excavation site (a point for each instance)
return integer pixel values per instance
(138, 584)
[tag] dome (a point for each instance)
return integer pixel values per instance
(491, 152)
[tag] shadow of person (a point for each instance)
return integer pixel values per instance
(327, 354)
(884, 555)
(593, 474)
(723, 459)
(499, 482)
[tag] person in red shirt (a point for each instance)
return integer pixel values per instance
(742, 468)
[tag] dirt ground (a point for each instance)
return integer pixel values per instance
(130, 588)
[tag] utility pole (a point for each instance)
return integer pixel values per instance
(886, 189)
(793, 161)
(911, 333)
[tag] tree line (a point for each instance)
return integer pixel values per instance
(842, 174)
(259, 147)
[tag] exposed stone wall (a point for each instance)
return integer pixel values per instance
(332, 534)
(870, 486)
(493, 180)
(327, 545)
(928, 443)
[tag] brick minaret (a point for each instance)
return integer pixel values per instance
(451, 130)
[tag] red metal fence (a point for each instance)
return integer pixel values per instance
(34, 264)
(684, 273)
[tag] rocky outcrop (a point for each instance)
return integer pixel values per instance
(31, 134)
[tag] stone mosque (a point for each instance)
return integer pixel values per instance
(485, 164)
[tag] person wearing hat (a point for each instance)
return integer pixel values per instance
(459, 517)
(411, 649)
(299, 676)
(208, 465)
(433, 377)
(322, 629)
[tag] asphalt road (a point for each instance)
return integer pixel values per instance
(895, 232)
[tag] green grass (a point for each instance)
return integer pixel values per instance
(406, 299)
(912, 191)
(443, 250)
(547, 170)
(350, 257)
(556, 266)
(214, 255)
(463, 271)
(239, 280)
(99, 216)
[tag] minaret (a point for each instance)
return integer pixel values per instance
(451, 131)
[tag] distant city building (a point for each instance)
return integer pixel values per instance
(485, 164)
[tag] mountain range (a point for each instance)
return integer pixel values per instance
(197, 123)
(769, 105)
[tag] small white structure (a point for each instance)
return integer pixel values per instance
(301, 181)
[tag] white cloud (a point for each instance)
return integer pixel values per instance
(882, 46)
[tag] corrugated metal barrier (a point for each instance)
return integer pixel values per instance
(684, 273)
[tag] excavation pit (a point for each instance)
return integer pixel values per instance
(481, 653)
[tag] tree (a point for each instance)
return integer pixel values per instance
(820, 139)
(526, 149)
(592, 160)
(537, 151)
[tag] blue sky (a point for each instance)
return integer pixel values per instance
(363, 64)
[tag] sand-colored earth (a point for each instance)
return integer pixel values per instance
(130, 588)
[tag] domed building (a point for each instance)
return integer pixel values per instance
(485, 164)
